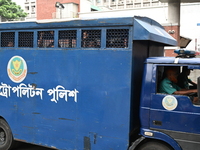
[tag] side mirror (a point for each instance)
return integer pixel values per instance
(198, 87)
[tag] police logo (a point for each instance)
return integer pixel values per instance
(169, 102)
(17, 69)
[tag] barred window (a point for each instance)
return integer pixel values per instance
(25, 39)
(67, 38)
(91, 38)
(117, 38)
(45, 39)
(7, 39)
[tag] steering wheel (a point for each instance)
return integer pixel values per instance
(193, 94)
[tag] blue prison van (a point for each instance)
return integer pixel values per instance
(88, 85)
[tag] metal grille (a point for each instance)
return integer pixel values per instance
(46, 39)
(91, 38)
(117, 38)
(25, 39)
(67, 38)
(7, 39)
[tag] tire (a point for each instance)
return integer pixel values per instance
(6, 138)
(153, 145)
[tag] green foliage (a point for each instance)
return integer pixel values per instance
(10, 10)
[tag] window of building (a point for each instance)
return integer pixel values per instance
(26, 8)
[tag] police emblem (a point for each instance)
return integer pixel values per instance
(169, 102)
(17, 69)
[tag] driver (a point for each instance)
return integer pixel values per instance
(169, 85)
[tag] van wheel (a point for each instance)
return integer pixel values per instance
(154, 146)
(6, 138)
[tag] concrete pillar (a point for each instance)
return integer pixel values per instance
(173, 27)
(174, 12)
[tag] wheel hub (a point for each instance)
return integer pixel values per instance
(2, 137)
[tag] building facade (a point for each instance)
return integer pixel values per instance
(124, 4)
(30, 9)
(52, 9)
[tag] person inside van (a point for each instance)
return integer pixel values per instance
(169, 85)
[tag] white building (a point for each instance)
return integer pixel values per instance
(30, 9)
(29, 6)
(155, 10)
(124, 4)
(19, 2)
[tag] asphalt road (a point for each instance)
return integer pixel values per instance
(26, 146)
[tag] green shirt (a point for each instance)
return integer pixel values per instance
(168, 87)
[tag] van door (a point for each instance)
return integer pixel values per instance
(176, 116)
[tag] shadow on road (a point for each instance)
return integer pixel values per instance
(26, 146)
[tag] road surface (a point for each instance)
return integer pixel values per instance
(25, 146)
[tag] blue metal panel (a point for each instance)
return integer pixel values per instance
(145, 95)
(146, 29)
(77, 98)
(102, 22)
(181, 124)
(171, 60)
(185, 114)
(102, 110)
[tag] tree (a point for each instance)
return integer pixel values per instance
(10, 10)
